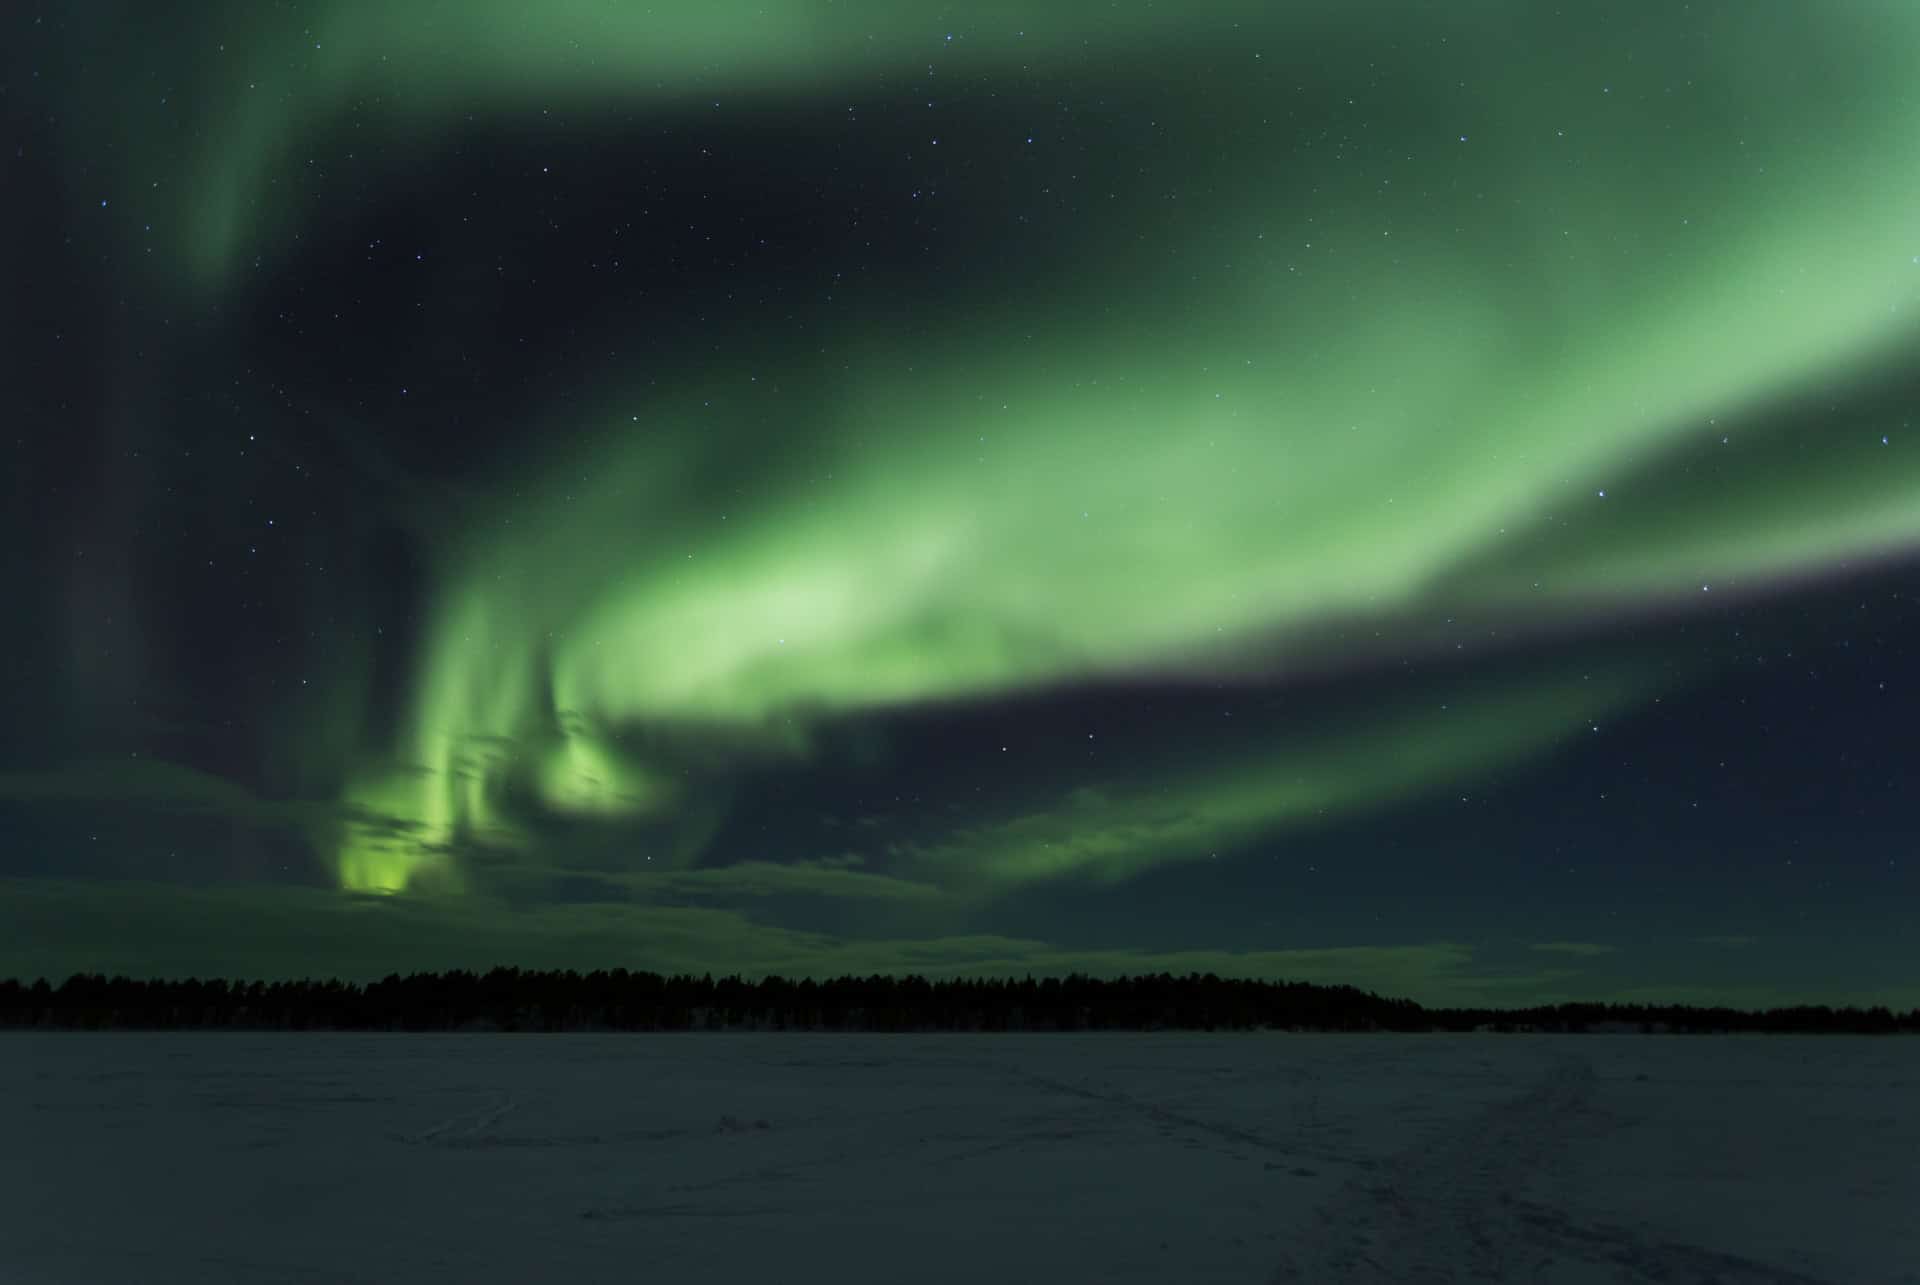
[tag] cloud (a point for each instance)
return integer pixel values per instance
(382, 824)
(160, 787)
(833, 878)
(1730, 941)
(829, 877)
(1581, 948)
(149, 782)
(54, 928)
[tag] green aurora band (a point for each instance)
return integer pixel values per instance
(1429, 356)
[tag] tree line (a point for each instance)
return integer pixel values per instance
(513, 999)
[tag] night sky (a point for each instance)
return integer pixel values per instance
(1417, 495)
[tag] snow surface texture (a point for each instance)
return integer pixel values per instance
(1055, 1159)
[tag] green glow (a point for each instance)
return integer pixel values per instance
(584, 775)
(376, 855)
(1378, 381)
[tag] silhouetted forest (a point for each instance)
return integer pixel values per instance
(512, 999)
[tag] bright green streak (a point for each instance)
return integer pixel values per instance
(1373, 371)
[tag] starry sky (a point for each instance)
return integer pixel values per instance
(1421, 496)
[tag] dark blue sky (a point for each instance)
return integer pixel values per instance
(1425, 500)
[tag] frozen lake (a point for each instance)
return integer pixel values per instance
(958, 1159)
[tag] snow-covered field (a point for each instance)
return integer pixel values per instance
(970, 1159)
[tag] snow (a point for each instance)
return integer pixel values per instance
(213, 1157)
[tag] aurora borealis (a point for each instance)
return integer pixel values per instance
(1425, 498)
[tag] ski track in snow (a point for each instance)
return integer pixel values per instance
(1446, 1211)
(461, 1128)
(1158, 1113)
